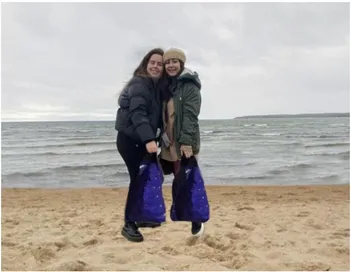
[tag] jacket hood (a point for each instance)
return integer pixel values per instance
(188, 75)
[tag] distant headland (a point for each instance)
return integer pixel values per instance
(300, 115)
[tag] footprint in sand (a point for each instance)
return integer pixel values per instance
(244, 227)
(276, 255)
(191, 241)
(244, 247)
(245, 208)
(72, 214)
(293, 243)
(311, 251)
(112, 257)
(96, 222)
(72, 266)
(64, 243)
(64, 222)
(343, 250)
(303, 214)
(290, 193)
(267, 244)
(214, 242)
(236, 263)
(228, 194)
(315, 267)
(281, 229)
(91, 242)
(261, 194)
(317, 226)
(341, 234)
(60, 245)
(170, 250)
(12, 221)
(233, 235)
(43, 253)
(5, 243)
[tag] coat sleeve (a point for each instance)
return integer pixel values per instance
(138, 95)
(191, 110)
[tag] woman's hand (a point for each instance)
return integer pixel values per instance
(151, 147)
(167, 142)
(186, 150)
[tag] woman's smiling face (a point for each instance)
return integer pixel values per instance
(172, 67)
(155, 66)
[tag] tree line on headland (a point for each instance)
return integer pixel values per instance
(301, 115)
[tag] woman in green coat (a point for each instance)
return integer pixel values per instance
(181, 109)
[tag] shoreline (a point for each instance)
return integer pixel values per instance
(169, 185)
(303, 227)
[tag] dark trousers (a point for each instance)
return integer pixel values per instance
(132, 154)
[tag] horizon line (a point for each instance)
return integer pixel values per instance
(200, 119)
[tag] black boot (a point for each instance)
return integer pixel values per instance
(130, 232)
(197, 228)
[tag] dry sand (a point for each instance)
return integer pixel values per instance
(251, 228)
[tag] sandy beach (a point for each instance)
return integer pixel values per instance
(251, 228)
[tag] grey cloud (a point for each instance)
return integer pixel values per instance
(253, 58)
(296, 24)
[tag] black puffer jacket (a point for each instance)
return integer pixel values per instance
(139, 115)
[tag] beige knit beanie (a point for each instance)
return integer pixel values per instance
(174, 53)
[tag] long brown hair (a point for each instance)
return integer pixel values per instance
(141, 70)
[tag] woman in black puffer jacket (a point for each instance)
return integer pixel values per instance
(137, 122)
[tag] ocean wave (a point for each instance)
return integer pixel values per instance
(55, 138)
(258, 177)
(66, 169)
(62, 144)
(215, 132)
(279, 171)
(84, 138)
(327, 136)
(269, 134)
(287, 169)
(327, 145)
(39, 154)
(314, 136)
(283, 134)
(328, 177)
(292, 143)
(238, 133)
(345, 155)
(260, 134)
(244, 177)
(339, 125)
(255, 125)
(210, 165)
(300, 166)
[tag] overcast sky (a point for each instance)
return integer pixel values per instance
(68, 61)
